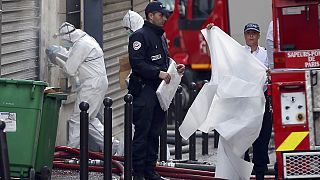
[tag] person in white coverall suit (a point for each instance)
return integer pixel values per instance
(132, 21)
(85, 64)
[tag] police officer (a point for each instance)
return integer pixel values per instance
(260, 146)
(148, 56)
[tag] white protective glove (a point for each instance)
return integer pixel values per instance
(51, 52)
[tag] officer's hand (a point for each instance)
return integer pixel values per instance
(209, 26)
(180, 68)
(165, 76)
(268, 76)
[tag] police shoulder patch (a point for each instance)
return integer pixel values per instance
(136, 45)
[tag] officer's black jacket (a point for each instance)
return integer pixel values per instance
(148, 53)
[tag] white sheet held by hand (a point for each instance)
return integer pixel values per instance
(166, 92)
(232, 103)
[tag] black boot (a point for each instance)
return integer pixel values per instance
(152, 175)
(136, 177)
(259, 176)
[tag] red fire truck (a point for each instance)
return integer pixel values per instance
(186, 43)
(295, 88)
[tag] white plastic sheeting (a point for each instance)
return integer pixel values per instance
(166, 92)
(232, 103)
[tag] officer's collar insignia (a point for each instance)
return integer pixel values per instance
(136, 45)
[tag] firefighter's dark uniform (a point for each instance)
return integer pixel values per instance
(148, 55)
(260, 146)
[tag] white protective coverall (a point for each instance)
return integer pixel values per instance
(232, 103)
(85, 62)
(132, 20)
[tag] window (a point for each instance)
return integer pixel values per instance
(202, 8)
(169, 4)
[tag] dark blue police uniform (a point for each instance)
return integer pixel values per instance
(148, 55)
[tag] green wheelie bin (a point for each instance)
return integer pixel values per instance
(21, 104)
(48, 133)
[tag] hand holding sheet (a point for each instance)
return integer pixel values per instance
(166, 92)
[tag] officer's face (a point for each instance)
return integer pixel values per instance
(251, 38)
(157, 18)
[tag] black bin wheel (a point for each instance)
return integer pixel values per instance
(45, 174)
(276, 176)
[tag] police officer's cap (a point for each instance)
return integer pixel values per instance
(252, 26)
(156, 6)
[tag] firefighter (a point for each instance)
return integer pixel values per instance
(260, 146)
(269, 44)
(148, 56)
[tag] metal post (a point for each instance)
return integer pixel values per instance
(178, 117)
(170, 114)
(192, 139)
(128, 137)
(107, 173)
(84, 133)
(163, 140)
(205, 139)
(216, 139)
(4, 161)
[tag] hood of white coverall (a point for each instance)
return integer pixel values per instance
(85, 57)
(132, 20)
(68, 32)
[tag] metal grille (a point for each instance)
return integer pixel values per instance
(301, 165)
(20, 39)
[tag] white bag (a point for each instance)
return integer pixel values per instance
(166, 92)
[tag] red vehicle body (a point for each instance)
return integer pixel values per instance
(186, 43)
(295, 88)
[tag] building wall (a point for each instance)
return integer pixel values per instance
(245, 11)
(53, 14)
(114, 47)
(20, 39)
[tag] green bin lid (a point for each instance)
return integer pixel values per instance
(58, 96)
